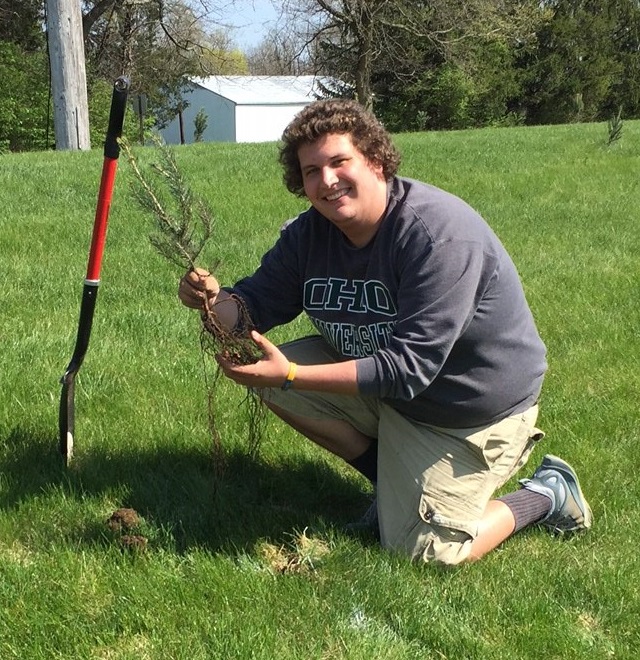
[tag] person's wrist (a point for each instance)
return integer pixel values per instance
(288, 382)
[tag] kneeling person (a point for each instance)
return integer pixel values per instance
(427, 366)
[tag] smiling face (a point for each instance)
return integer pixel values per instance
(344, 186)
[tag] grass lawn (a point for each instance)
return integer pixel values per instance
(253, 563)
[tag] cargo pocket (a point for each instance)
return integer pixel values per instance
(507, 447)
(446, 534)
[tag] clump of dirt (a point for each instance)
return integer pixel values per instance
(123, 520)
(134, 542)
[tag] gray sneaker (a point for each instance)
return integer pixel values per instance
(368, 523)
(557, 480)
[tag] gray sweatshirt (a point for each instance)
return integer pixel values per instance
(432, 309)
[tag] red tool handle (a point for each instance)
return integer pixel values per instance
(109, 167)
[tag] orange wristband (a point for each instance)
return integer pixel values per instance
(290, 376)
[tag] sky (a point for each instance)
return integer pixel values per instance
(251, 19)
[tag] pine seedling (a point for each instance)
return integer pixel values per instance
(182, 227)
(615, 128)
(180, 233)
(200, 123)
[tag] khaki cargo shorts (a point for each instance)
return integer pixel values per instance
(433, 483)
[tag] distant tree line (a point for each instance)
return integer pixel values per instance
(452, 64)
(420, 64)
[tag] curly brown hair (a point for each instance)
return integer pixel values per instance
(336, 116)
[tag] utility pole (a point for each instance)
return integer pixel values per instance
(68, 74)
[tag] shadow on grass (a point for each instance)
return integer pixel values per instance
(178, 493)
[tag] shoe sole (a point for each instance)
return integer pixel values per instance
(554, 463)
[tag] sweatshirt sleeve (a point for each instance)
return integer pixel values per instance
(273, 293)
(439, 292)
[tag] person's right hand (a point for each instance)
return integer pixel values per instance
(197, 286)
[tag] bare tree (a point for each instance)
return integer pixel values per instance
(279, 54)
(159, 45)
(68, 75)
(159, 42)
(344, 38)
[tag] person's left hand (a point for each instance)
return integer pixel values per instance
(270, 371)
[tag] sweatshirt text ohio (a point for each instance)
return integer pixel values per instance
(334, 296)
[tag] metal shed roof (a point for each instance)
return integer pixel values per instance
(265, 90)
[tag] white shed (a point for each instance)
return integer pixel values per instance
(244, 108)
